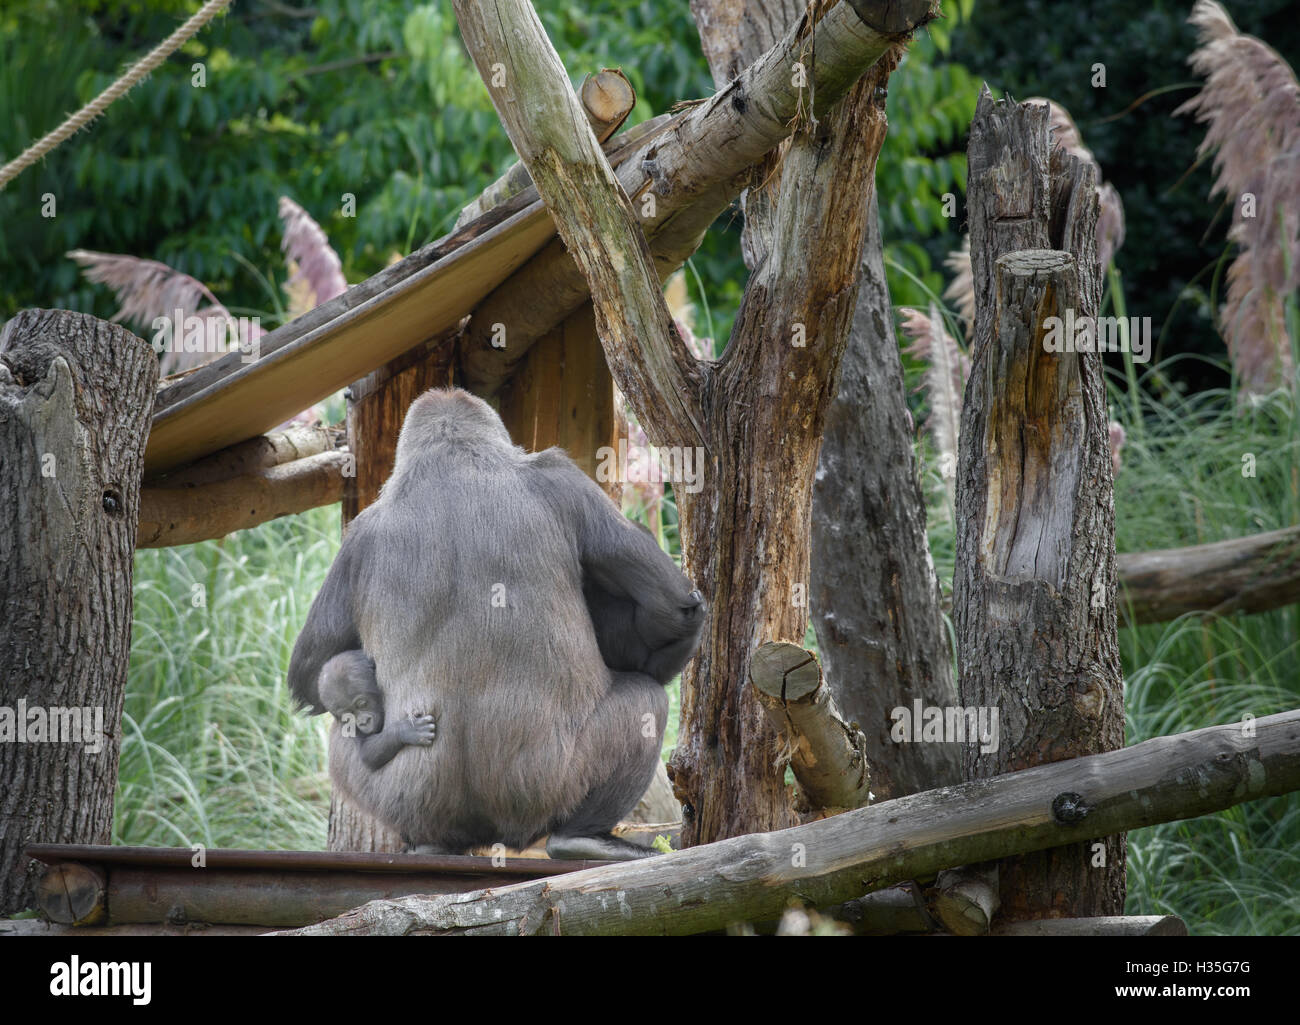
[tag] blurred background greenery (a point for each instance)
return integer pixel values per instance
(377, 100)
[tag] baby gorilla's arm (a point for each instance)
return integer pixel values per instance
(378, 749)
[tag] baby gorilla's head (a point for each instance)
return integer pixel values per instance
(349, 690)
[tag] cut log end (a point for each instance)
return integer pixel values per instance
(894, 19)
(608, 98)
(72, 894)
(784, 670)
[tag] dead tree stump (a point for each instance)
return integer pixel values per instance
(76, 396)
(1034, 589)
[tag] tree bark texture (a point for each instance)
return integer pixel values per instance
(76, 395)
(876, 603)
(1034, 588)
(746, 535)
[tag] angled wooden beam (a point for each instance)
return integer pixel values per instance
(697, 168)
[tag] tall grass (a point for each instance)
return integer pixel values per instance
(212, 752)
(1184, 482)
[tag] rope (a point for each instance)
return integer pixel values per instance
(100, 103)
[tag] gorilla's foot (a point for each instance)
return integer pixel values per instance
(427, 848)
(595, 848)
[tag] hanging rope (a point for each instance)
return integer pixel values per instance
(100, 103)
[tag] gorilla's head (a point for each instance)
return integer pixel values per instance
(444, 416)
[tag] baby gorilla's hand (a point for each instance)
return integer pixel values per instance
(418, 729)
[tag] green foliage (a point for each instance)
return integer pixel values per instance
(371, 99)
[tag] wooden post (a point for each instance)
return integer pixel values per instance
(562, 394)
(76, 395)
(377, 405)
(1034, 589)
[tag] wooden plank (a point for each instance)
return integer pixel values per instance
(256, 860)
(563, 394)
(339, 342)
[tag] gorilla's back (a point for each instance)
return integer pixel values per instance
(486, 629)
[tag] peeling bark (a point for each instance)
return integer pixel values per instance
(1034, 588)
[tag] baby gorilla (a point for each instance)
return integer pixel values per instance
(349, 690)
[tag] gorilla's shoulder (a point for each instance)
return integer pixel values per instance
(551, 460)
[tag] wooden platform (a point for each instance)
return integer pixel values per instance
(98, 887)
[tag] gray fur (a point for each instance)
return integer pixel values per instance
(540, 734)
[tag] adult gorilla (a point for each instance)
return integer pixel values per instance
(504, 594)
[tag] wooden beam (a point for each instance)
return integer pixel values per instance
(692, 172)
(182, 516)
(258, 453)
(1246, 574)
(752, 878)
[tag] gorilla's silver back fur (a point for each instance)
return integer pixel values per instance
(482, 587)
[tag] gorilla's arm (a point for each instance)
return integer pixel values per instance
(331, 627)
(378, 749)
(646, 613)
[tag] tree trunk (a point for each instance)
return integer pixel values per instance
(746, 535)
(377, 405)
(76, 395)
(876, 601)
(1034, 589)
